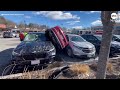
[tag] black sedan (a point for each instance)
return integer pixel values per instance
(34, 49)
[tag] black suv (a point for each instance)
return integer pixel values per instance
(96, 41)
(34, 49)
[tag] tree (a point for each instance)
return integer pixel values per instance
(105, 44)
(31, 25)
(21, 25)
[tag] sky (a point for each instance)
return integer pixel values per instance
(68, 19)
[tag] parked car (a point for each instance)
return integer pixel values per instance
(9, 35)
(79, 47)
(34, 49)
(58, 37)
(96, 40)
(116, 38)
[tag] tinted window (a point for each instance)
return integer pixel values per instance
(84, 36)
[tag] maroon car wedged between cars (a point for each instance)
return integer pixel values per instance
(58, 37)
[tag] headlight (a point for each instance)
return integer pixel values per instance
(78, 47)
(15, 54)
(52, 51)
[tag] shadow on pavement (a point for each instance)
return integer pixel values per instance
(5, 57)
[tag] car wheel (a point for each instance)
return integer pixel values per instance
(69, 52)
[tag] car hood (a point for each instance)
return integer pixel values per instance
(115, 44)
(33, 47)
(83, 44)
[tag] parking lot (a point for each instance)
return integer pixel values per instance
(6, 47)
(8, 44)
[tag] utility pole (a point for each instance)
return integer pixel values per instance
(25, 24)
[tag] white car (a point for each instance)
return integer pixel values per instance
(79, 47)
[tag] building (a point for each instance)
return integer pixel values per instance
(2, 26)
(99, 29)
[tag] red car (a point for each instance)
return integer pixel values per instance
(58, 37)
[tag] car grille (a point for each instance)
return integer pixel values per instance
(34, 56)
(88, 50)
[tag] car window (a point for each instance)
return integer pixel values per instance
(77, 39)
(99, 37)
(84, 36)
(91, 38)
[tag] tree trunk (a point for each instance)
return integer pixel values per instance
(105, 44)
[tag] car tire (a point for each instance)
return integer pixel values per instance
(69, 52)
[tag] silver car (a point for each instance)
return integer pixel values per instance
(79, 47)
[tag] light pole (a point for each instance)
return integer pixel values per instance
(25, 24)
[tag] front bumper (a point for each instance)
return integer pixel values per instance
(115, 51)
(21, 60)
(80, 53)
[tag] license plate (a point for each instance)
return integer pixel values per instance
(34, 62)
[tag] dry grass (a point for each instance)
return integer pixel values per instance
(109, 67)
(80, 68)
(81, 71)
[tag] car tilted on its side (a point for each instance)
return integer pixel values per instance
(34, 49)
(58, 38)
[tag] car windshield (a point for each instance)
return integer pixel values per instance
(77, 39)
(99, 37)
(35, 36)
